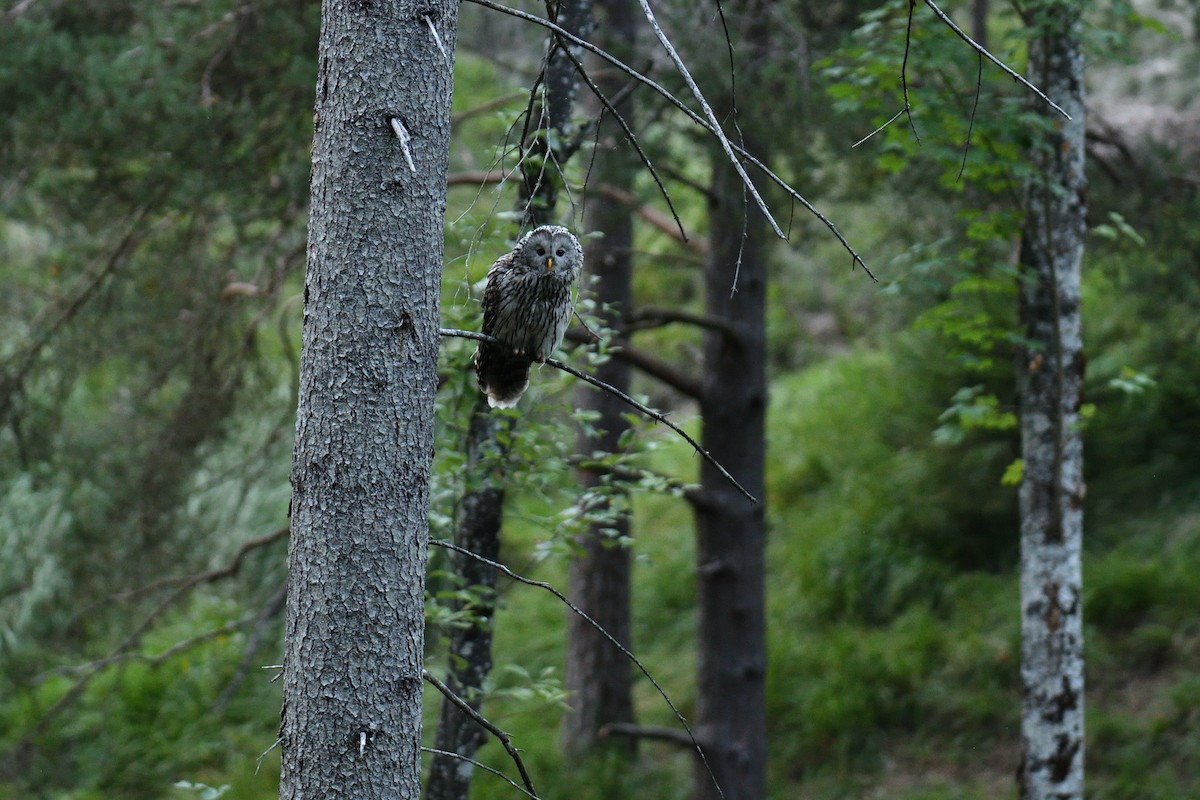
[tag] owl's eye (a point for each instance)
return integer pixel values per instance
(560, 252)
(541, 251)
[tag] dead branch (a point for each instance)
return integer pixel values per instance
(983, 52)
(692, 115)
(502, 737)
(655, 218)
(907, 108)
(658, 732)
(12, 380)
(261, 622)
(714, 123)
(654, 367)
(649, 317)
(447, 754)
(658, 416)
(122, 652)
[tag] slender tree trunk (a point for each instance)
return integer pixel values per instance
(598, 676)
(1049, 379)
(478, 531)
(351, 720)
(482, 506)
(730, 703)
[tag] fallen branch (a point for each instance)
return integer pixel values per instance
(657, 416)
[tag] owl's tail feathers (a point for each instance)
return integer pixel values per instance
(503, 376)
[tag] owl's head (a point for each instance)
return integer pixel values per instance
(550, 248)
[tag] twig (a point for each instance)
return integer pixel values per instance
(645, 159)
(600, 629)
(435, 751)
(657, 416)
(971, 124)
(262, 621)
(465, 707)
(405, 139)
(907, 109)
(263, 754)
(983, 52)
(692, 115)
(714, 124)
(93, 669)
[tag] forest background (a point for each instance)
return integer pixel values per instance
(152, 226)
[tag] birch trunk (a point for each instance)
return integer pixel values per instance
(364, 432)
(1049, 380)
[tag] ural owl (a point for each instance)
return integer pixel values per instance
(526, 306)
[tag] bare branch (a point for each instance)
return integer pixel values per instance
(692, 115)
(658, 416)
(714, 125)
(122, 652)
(654, 367)
(465, 707)
(653, 317)
(261, 623)
(655, 218)
(635, 731)
(599, 629)
(447, 754)
(907, 109)
(971, 124)
(983, 52)
(645, 159)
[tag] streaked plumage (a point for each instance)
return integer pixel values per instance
(527, 306)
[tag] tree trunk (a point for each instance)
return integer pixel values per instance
(598, 676)
(730, 704)
(478, 530)
(351, 719)
(1049, 380)
(482, 506)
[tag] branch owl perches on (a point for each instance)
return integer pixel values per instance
(526, 307)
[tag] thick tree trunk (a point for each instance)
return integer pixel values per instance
(364, 432)
(1049, 380)
(730, 703)
(598, 676)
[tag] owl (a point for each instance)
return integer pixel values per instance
(526, 306)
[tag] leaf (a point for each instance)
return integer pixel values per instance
(1013, 473)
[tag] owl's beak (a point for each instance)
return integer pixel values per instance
(549, 264)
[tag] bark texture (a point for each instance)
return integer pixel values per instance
(730, 701)
(364, 433)
(598, 676)
(1050, 379)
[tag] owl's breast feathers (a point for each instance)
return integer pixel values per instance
(528, 311)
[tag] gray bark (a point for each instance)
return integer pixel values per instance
(364, 432)
(598, 676)
(1049, 380)
(730, 692)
